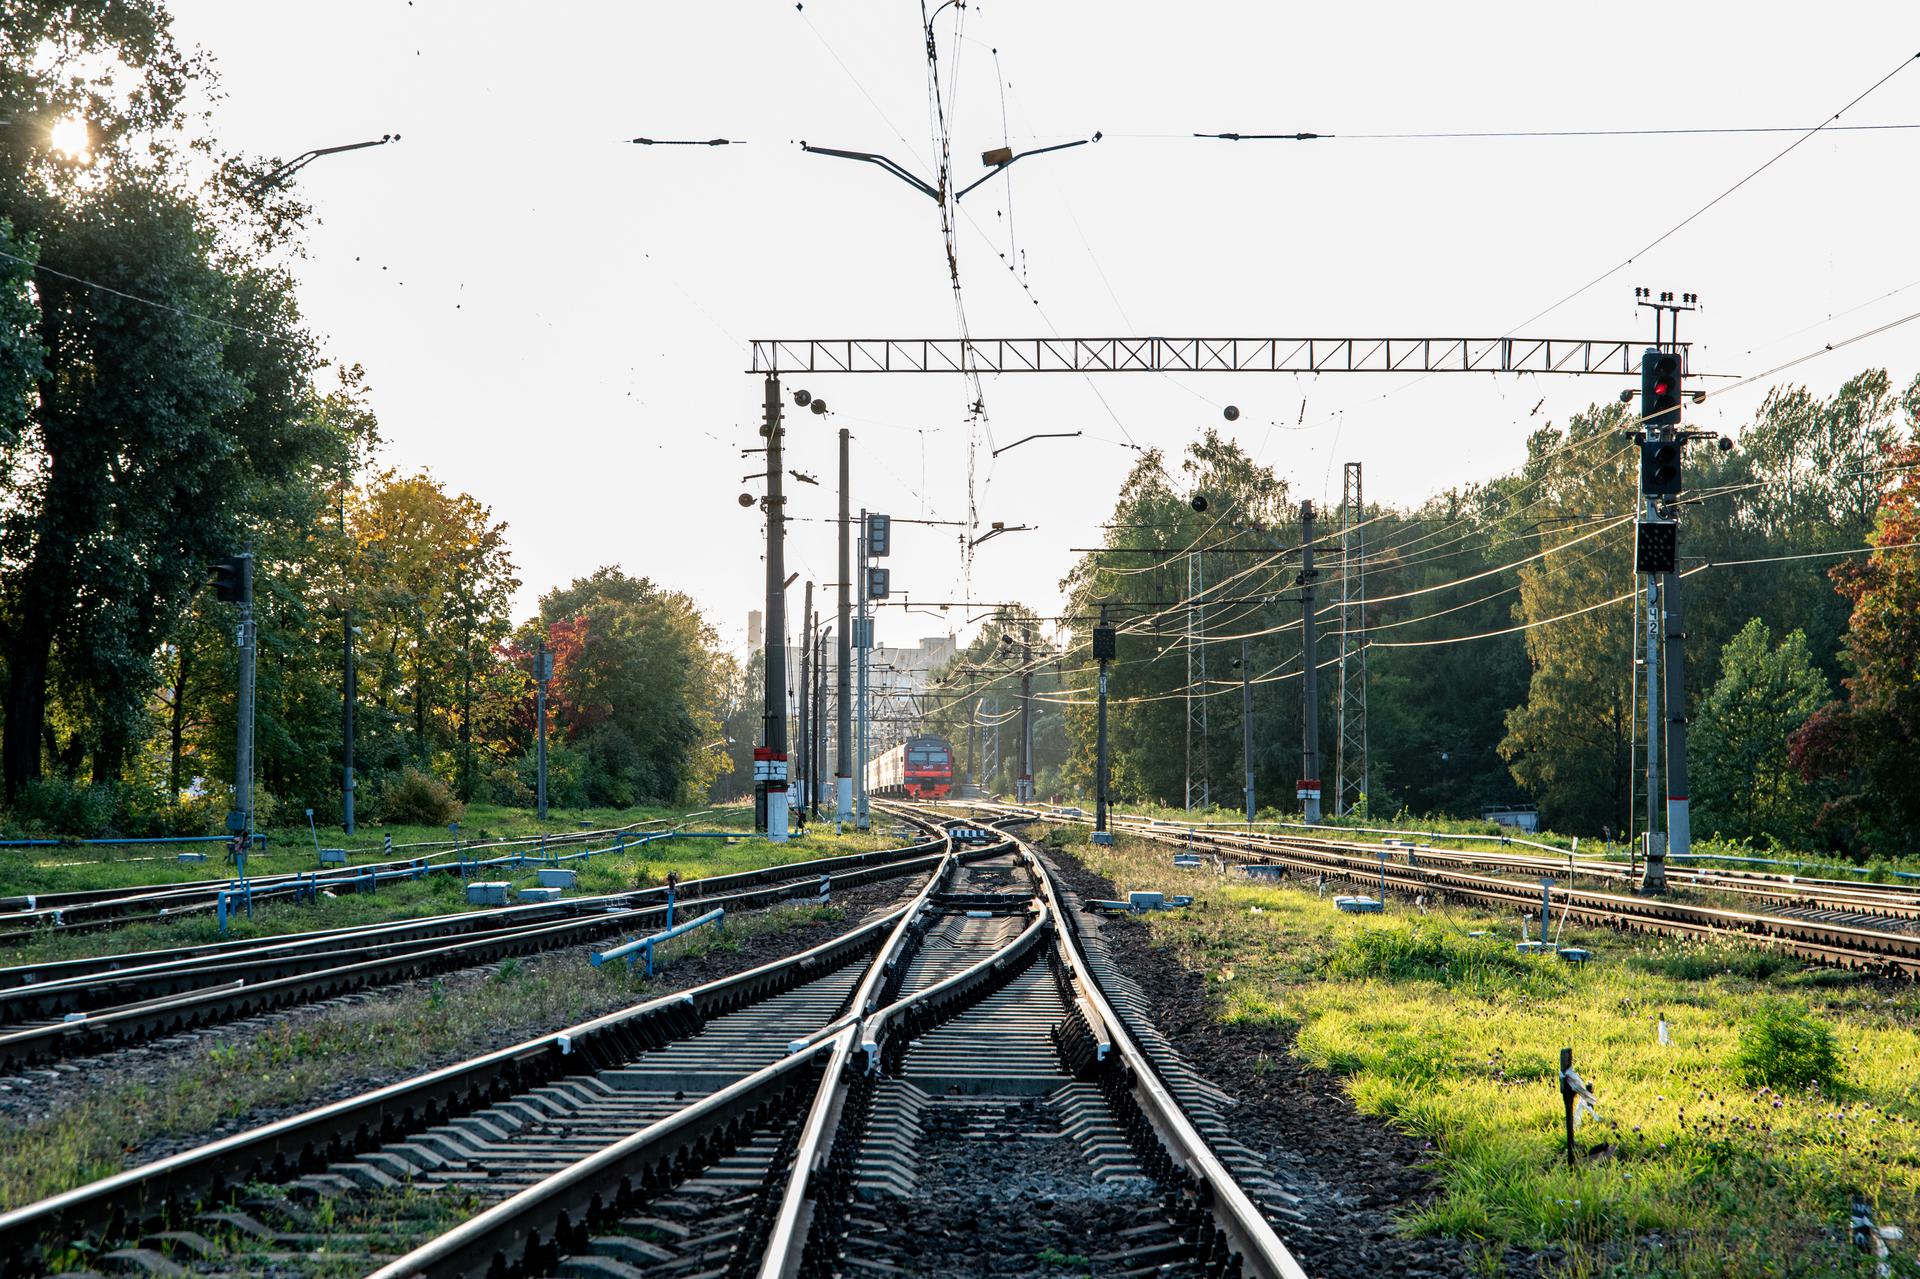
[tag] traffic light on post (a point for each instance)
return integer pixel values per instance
(233, 579)
(1659, 467)
(1660, 389)
(1660, 377)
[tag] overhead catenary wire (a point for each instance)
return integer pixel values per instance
(1467, 134)
(1673, 230)
(1617, 599)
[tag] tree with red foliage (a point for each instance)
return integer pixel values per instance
(1864, 745)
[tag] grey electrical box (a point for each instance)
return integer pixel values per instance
(878, 579)
(879, 534)
(863, 632)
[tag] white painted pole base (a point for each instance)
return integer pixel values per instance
(1679, 828)
(777, 816)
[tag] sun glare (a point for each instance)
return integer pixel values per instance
(72, 139)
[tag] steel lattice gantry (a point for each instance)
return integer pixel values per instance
(1201, 355)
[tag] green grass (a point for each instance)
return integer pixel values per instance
(1731, 1152)
(290, 1062)
(432, 895)
(291, 848)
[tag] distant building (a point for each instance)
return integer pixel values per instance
(756, 640)
(898, 678)
(1527, 819)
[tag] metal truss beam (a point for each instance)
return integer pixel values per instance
(1619, 357)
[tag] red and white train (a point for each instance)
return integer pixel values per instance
(918, 768)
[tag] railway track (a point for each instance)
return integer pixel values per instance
(799, 1119)
(1887, 902)
(1822, 934)
(24, 917)
(68, 1008)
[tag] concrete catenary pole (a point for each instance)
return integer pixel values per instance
(542, 672)
(843, 754)
(1246, 725)
(1655, 880)
(1026, 714)
(1679, 821)
(815, 771)
(863, 646)
(804, 755)
(774, 747)
(1309, 674)
(350, 693)
(1105, 648)
(243, 730)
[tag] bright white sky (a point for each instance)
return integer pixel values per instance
(557, 322)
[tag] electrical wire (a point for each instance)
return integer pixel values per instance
(1683, 222)
(1523, 133)
(1698, 568)
(135, 297)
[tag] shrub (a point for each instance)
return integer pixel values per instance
(54, 807)
(1784, 1046)
(414, 798)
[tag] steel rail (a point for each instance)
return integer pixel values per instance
(340, 1129)
(1892, 899)
(1252, 1238)
(18, 902)
(530, 1228)
(1889, 901)
(39, 1043)
(200, 895)
(1838, 944)
(792, 1222)
(45, 975)
(1862, 945)
(786, 1246)
(534, 1228)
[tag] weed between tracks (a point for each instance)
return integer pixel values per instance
(248, 1081)
(1731, 1152)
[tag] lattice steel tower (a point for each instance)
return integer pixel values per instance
(1198, 791)
(1350, 749)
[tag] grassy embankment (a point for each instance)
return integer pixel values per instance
(1732, 1152)
(294, 1062)
(40, 870)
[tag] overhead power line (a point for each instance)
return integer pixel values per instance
(1671, 231)
(1534, 133)
(1622, 598)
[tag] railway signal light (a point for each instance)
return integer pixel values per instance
(1656, 547)
(878, 580)
(1660, 377)
(1105, 645)
(233, 579)
(879, 534)
(1659, 467)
